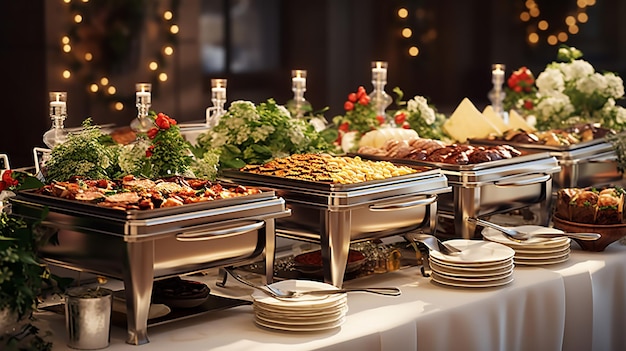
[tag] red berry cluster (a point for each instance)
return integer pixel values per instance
(7, 180)
(163, 122)
(359, 97)
(521, 80)
(400, 119)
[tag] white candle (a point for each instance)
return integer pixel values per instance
(219, 93)
(298, 82)
(57, 104)
(143, 97)
(379, 71)
(497, 74)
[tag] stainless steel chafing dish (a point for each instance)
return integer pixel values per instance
(495, 187)
(138, 247)
(584, 164)
(334, 215)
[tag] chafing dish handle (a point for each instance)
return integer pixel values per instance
(209, 232)
(404, 205)
(525, 181)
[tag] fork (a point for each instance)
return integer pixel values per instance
(278, 293)
(293, 293)
(518, 236)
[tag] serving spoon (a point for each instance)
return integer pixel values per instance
(279, 293)
(433, 243)
(519, 236)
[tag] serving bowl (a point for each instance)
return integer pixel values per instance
(609, 233)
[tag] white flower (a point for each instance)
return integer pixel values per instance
(296, 132)
(550, 81)
(556, 105)
(575, 92)
(593, 83)
(132, 156)
(615, 86)
(420, 104)
(258, 134)
(576, 69)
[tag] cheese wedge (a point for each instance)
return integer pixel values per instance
(518, 122)
(466, 122)
(491, 115)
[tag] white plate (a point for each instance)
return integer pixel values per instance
(473, 279)
(475, 252)
(301, 328)
(470, 273)
(449, 282)
(542, 262)
(300, 321)
(497, 236)
(474, 266)
(540, 249)
(301, 302)
(302, 308)
(542, 256)
(301, 318)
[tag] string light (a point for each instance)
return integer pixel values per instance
(411, 20)
(558, 34)
(102, 87)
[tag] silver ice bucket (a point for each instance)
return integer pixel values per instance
(88, 318)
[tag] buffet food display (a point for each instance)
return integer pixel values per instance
(391, 199)
(126, 240)
(158, 207)
(484, 180)
(584, 153)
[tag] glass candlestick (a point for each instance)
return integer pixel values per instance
(298, 106)
(378, 97)
(497, 94)
(58, 113)
(218, 98)
(143, 101)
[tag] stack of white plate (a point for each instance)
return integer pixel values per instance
(304, 313)
(480, 264)
(534, 251)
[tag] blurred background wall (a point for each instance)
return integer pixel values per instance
(97, 50)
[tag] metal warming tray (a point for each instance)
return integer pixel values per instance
(138, 247)
(588, 163)
(334, 215)
(495, 187)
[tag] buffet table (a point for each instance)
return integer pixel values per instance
(575, 305)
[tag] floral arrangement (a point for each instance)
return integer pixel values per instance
(360, 116)
(22, 277)
(520, 91)
(419, 115)
(87, 153)
(168, 153)
(251, 134)
(572, 92)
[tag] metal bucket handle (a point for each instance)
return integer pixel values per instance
(525, 181)
(208, 232)
(404, 205)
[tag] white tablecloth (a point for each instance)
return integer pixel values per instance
(595, 285)
(575, 305)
